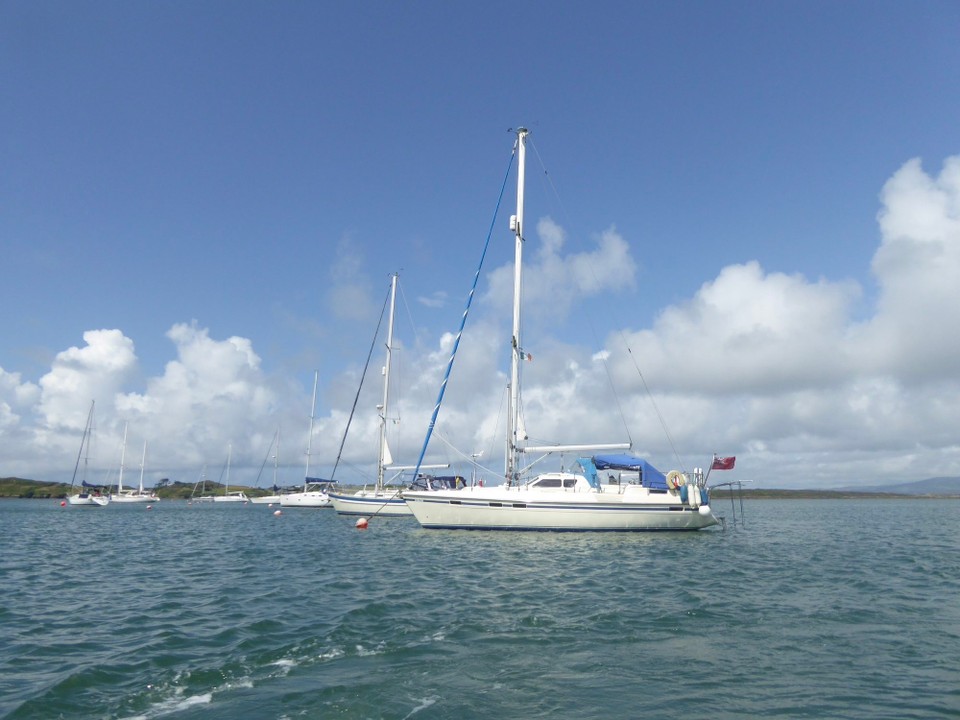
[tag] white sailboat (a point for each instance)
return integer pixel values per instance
(88, 495)
(235, 496)
(380, 500)
(274, 497)
(558, 500)
(200, 484)
(314, 494)
(129, 495)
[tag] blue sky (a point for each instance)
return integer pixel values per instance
(216, 193)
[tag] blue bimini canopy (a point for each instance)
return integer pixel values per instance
(650, 477)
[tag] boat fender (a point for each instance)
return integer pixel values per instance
(704, 497)
(705, 510)
(693, 492)
(683, 493)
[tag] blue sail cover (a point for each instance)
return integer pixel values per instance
(650, 477)
(318, 481)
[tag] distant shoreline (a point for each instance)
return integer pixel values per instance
(761, 494)
(21, 489)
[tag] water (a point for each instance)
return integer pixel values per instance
(816, 609)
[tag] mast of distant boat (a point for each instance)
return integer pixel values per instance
(313, 411)
(229, 453)
(383, 456)
(84, 441)
(276, 460)
(123, 454)
(143, 461)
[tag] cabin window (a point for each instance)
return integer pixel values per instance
(548, 483)
(569, 482)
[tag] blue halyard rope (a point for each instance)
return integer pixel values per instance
(463, 322)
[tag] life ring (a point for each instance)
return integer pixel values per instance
(676, 479)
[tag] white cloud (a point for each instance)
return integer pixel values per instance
(79, 375)
(213, 395)
(437, 299)
(554, 282)
(746, 331)
(917, 266)
(780, 369)
(15, 397)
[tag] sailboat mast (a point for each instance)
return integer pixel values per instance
(84, 440)
(383, 451)
(276, 459)
(123, 454)
(516, 224)
(143, 462)
(313, 412)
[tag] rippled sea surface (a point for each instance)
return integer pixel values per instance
(812, 609)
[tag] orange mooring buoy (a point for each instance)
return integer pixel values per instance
(362, 524)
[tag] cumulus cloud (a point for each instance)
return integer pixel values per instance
(213, 395)
(553, 282)
(81, 374)
(785, 371)
(918, 271)
(775, 365)
(15, 397)
(792, 372)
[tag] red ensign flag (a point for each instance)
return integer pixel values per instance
(726, 463)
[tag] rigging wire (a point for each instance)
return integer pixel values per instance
(357, 398)
(463, 320)
(620, 333)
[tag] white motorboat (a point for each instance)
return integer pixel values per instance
(575, 501)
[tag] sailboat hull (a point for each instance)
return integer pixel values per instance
(367, 503)
(477, 508)
(308, 499)
(134, 497)
(232, 497)
(85, 500)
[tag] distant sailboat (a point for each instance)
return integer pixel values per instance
(201, 484)
(274, 497)
(235, 496)
(381, 500)
(88, 495)
(314, 494)
(133, 496)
